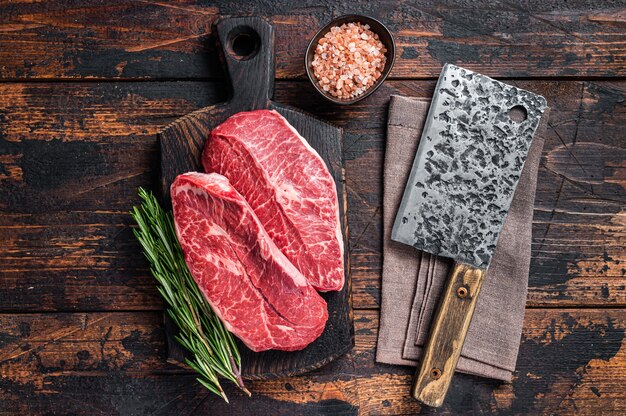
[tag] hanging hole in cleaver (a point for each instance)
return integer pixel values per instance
(518, 113)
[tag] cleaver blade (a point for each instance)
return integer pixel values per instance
(471, 154)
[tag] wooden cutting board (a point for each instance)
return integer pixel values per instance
(248, 52)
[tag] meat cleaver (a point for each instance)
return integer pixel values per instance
(470, 158)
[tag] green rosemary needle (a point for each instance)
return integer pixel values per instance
(213, 350)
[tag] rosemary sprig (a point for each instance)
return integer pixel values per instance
(213, 349)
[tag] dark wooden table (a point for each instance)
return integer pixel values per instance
(84, 87)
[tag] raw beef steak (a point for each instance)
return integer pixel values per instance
(288, 186)
(259, 295)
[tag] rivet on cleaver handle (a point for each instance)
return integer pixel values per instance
(470, 158)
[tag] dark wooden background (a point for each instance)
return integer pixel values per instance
(84, 88)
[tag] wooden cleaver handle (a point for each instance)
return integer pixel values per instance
(447, 334)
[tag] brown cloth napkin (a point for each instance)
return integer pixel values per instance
(412, 280)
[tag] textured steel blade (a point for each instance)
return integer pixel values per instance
(467, 166)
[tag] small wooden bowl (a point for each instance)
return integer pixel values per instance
(375, 26)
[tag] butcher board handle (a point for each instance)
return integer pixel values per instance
(447, 334)
(248, 51)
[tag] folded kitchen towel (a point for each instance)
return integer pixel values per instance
(413, 280)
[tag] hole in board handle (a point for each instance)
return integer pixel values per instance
(243, 43)
(435, 373)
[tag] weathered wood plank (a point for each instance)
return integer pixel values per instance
(69, 169)
(89, 38)
(570, 361)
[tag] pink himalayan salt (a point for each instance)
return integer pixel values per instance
(348, 60)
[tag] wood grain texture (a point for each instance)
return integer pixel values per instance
(252, 85)
(69, 170)
(159, 40)
(447, 334)
(571, 361)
